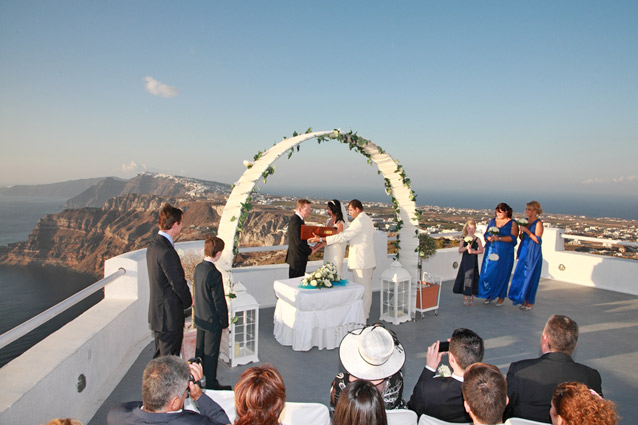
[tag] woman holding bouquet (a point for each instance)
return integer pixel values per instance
(468, 276)
(334, 253)
(530, 259)
(500, 240)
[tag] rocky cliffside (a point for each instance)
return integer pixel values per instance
(83, 238)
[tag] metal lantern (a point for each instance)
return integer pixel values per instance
(396, 294)
(239, 343)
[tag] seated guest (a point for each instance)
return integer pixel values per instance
(442, 397)
(575, 404)
(360, 403)
(372, 354)
(531, 383)
(165, 384)
(485, 393)
(65, 421)
(260, 396)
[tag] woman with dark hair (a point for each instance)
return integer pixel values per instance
(500, 240)
(260, 396)
(574, 403)
(360, 403)
(530, 259)
(334, 253)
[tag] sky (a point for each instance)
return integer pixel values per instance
(485, 97)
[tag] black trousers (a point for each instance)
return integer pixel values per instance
(297, 270)
(207, 348)
(168, 343)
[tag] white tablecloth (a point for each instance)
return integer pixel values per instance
(306, 318)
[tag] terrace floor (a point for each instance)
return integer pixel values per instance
(608, 341)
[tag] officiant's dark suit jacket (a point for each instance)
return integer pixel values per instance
(440, 397)
(169, 293)
(531, 383)
(298, 249)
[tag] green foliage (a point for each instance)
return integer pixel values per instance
(426, 248)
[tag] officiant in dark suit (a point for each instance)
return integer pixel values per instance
(298, 249)
(169, 294)
(211, 311)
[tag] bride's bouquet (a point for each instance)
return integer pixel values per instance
(322, 277)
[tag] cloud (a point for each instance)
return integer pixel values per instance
(615, 180)
(133, 167)
(156, 88)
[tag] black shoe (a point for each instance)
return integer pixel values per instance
(220, 387)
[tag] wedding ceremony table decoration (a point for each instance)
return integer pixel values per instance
(306, 318)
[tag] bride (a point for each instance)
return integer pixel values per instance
(335, 253)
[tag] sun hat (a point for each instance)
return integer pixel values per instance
(371, 353)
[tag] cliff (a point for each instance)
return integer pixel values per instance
(82, 239)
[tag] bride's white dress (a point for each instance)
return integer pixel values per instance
(335, 253)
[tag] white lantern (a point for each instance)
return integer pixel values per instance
(239, 343)
(396, 294)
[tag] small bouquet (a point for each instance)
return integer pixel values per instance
(494, 230)
(468, 239)
(321, 278)
(522, 222)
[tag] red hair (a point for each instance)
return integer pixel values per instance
(260, 396)
(576, 404)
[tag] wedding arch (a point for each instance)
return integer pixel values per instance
(397, 186)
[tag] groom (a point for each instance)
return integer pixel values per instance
(298, 249)
(361, 259)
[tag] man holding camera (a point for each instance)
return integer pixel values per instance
(165, 385)
(442, 396)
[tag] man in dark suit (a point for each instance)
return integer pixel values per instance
(211, 311)
(442, 397)
(298, 249)
(531, 383)
(169, 294)
(165, 384)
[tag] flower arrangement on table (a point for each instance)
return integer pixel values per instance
(324, 277)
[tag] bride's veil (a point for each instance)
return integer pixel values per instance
(344, 212)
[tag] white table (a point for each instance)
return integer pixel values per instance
(306, 318)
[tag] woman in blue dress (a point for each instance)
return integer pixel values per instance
(530, 259)
(498, 261)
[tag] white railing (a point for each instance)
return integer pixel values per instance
(36, 321)
(605, 242)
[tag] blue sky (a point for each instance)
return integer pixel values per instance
(539, 97)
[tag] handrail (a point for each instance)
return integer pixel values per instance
(24, 328)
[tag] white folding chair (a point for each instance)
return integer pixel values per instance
(305, 414)
(401, 417)
(430, 420)
(521, 421)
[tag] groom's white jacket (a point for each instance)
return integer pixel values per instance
(360, 234)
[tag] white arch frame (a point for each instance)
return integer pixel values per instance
(386, 165)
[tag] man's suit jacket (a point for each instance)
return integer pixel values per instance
(131, 414)
(211, 310)
(360, 234)
(298, 249)
(169, 293)
(439, 397)
(531, 383)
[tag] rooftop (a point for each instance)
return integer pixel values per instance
(608, 324)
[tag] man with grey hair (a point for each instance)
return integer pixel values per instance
(531, 383)
(165, 384)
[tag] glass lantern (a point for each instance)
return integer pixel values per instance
(396, 284)
(239, 343)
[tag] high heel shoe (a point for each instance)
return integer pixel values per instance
(487, 301)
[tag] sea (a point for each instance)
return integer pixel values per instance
(29, 290)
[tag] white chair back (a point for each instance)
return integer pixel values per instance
(431, 420)
(521, 421)
(401, 417)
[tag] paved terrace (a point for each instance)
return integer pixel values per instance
(608, 341)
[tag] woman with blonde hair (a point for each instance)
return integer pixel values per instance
(467, 277)
(260, 396)
(530, 259)
(574, 403)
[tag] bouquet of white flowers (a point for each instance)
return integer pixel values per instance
(322, 277)
(494, 230)
(522, 222)
(468, 239)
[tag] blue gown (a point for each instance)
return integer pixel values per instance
(495, 275)
(528, 269)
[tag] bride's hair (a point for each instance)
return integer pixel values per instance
(335, 207)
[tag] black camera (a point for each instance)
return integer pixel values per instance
(191, 378)
(444, 346)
